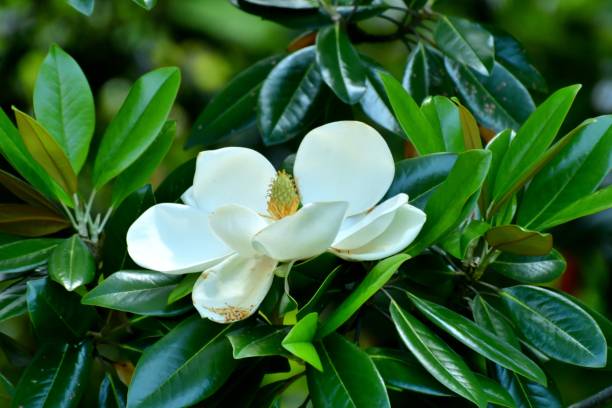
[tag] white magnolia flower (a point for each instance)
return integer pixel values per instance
(241, 217)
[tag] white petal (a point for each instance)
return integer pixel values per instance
(307, 233)
(188, 198)
(404, 228)
(232, 175)
(233, 289)
(358, 230)
(344, 161)
(174, 238)
(236, 225)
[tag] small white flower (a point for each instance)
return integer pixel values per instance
(241, 218)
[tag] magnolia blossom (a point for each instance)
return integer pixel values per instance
(241, 217)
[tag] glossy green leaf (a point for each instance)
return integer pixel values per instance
(498, 147)
(556, 326)
(57, 377)
(374, 102)
(374, 280)
(340, 65)
(195, 357)
(25, 255)
(416, 74)
(57, 315)
(481, 341)
(530, 269)
(400, 370)
(420, 176)
(112, 394)
(137, 124)
(446, 204)
(146, 4)
(493, 321)
(30, 221)
(524, 393)
(466, 42)
(299, 340)
(71, 264)
(495, 106)
(600, 200)
(602, 321)
(25, 191)
(46, 151)
(139, 173)
(349, 377)
(533, 138)
(574, 173)
(64, 105)
(458, 242)
(413, 122)
(232, 111)
(7, 390)
(288, 98)
(445, 118)
(519, 241)
(437, 357)
(16, 353)
(141, 292)
(510, 53)
(13, 301)
(183, 288)
(496, 394)
(316, 302)
(258, 341)
(176, 183)
(83, 6)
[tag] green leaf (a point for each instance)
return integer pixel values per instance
(25, 192)
(138, 174)
(495, 393)
(173, 186)
(599, 201)
(195, 357)
(445, 118)
(316, 302)
(141, 292)
(57, 377)
(46, 151)
(7, 390)
(146, 4)
(530, 269)
(493, 320)
(25, 255)
(112, 394)
(374, 102)
(232, 111)
(183, 288)
(288, 98)
(496, 107)
(299, 340)
(30, 221)
(574, 173)
(533, 138)
(512, 56)
(83, 6)
(602, 321)
(400, 370)
(526, 394)
(446, 204)
(57, 315)
(137, 124)
(458, 242)
(340, 65)
(437, 357)
(498, 147)
(374, 280)
(466, 42)
(349, 378)
(13, 301)
(71, 264)
(469, 127)
(413, 122)
(64, 105)
(258, 341)
(519, 241)
(556, 326)
(481, 341)
(416, 74)
(420, 176)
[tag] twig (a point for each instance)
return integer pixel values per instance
(596, 400)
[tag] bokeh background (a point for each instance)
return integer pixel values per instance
(569, 41)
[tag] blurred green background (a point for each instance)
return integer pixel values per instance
(569, 41)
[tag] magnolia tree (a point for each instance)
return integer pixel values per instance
(398, 257)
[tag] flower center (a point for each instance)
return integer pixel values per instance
(283, 198)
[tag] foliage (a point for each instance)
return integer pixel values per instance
(456, 317)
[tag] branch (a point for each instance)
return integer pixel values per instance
(596, 400)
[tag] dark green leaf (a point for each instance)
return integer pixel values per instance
(315, 302)
(183, 288)
(258, 341)
(26, 255)
(519, 241)
(16, 353)
(288, 98)
(498, 147)
(374, 280)
(233, 109)
(495, 393)
(374, 102)
(141, 292)
(511, 55)
(530, 269)
(437, 357)
(349, 378)
(299, 340)
(593, 203)
(137, 124)
(466, 42)
(493, 320)
(173, 186)
(340, 65)
(71, 264)
(556, 326)
(112, 394)
(416, 74)
(25, 191)
(57, 315)
(64, 105)
(13, 301)
(400, 370)
(481, 341)
(56, 378)
(195, 357)
(526, 394)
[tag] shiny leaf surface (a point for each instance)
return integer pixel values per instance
(530, 269)
(71, 264)
(519, 241)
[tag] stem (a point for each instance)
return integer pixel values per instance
(596, 400)
(488, 257)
